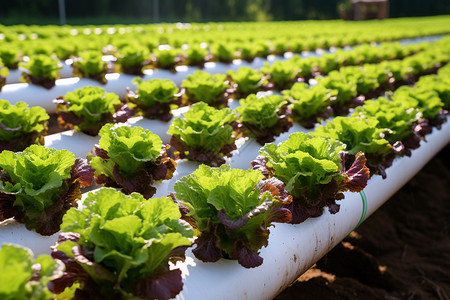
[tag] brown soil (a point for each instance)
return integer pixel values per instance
(401, 252)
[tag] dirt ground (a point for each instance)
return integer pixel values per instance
(401, 252)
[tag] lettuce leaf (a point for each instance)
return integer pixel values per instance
(43, 183)
(202, 86)
(361, 134)
(132, 158)
(310, 105)
(204, 134)
(166, 58)
(4, 73)
(88, 108)
(90, 64)
(233, 210)
(263, 118)
(25, 278)
(247, 80)
(120, 246)
(41, 69)
(311, 168)
(132, 59)
(398, 117)
(281, 73)
(154, 98)
(21, 126)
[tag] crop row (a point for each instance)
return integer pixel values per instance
(109, 238)
(221, 42)
(118, 249)
(44, 70)
(279, 75)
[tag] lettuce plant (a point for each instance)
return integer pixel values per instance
(38, 185)
(281, 73)
(223, 52)
(90, 64)
(346, 91)
(154, 98)
(131, 158)
(440, 84)
(4, 73)
(233, 210)
(88, 108)
(204, 134)
(248, 51)
(10, 56)
(196, 55)
(310, 105)
(132, 59)
(424, 98)
(167, 58)
(361, 134)
(400, 118)
(21, 126)
(313, 171)
(247, 81)
(211, 89)
(264, 118)
(24, 277)
(42, 70)
(119, 247)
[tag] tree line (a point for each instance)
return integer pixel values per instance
(148, 11)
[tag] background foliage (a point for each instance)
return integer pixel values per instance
(83, 12)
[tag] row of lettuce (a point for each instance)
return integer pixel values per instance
(263, 118)
(224, 41)
(120, 245)
(43, 69)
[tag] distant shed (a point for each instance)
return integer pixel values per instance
(370, 9)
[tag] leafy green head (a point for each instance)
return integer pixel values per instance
(132, 56)
(202, 86)
(357, 133)
(248, 80)
(399, 117)
(10, 56)
(281, 73)
(35, 178)
(19, 119)
(223, 52)
(196, 54)
(304, 162)
(422, 97)
(262, 112)
(231, 212)
(4, 72)
(131, 240)
(308, 101)
(91, 104)
(19, 277)
(166, 58)
(42, 66)
(204, 127)
(90, 63)
(346, 89)
(153, 91)
(128, 147)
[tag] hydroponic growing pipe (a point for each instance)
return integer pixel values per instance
(292, 249)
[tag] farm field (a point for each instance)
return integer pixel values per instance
(206, 137)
